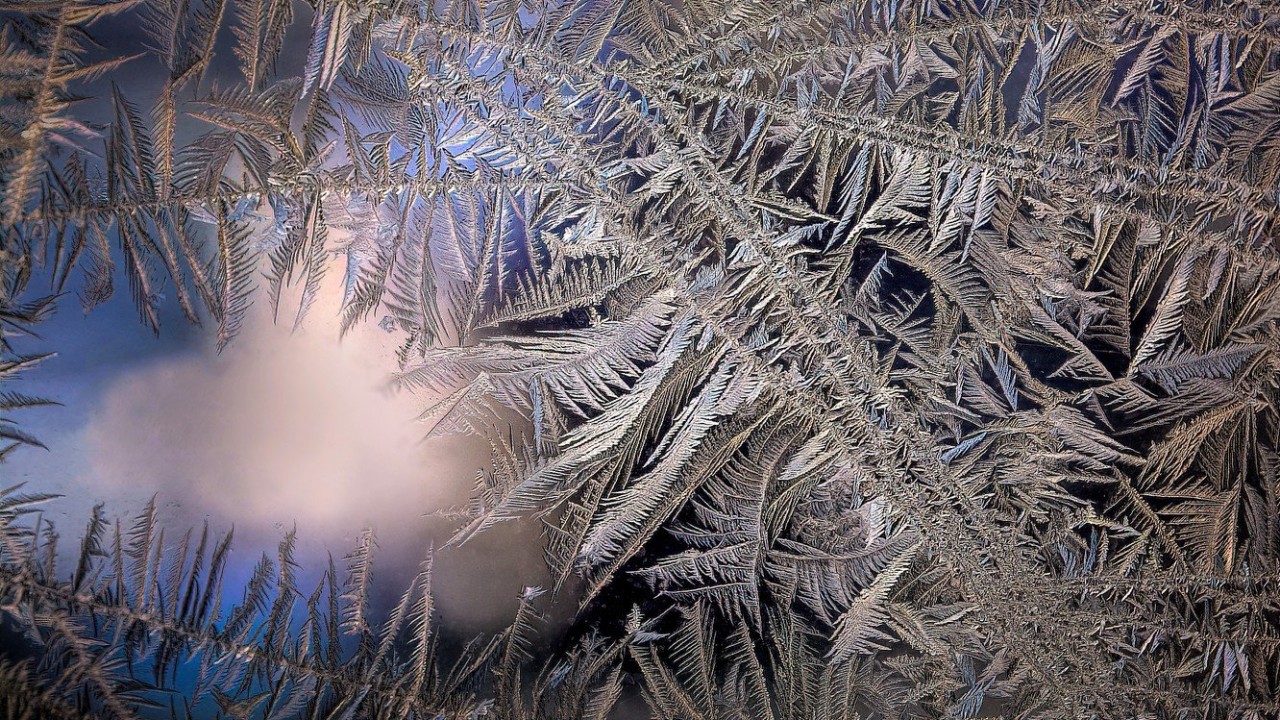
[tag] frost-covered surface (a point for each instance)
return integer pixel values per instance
(892, 359)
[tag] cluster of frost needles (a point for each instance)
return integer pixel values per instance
(869, 358)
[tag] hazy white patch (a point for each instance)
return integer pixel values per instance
(278, 429)
(283, 426)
